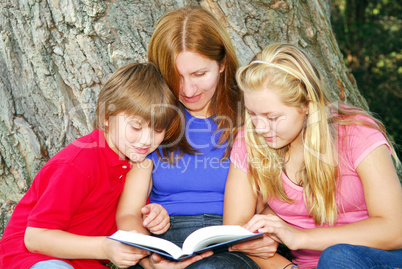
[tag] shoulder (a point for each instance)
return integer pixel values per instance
(361, 127)
(84, 152)
(360, 137)
(239, 154)
(240, 141)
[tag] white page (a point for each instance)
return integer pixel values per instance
(149, 241)
(213, 234)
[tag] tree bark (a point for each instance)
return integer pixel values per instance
(56, 55)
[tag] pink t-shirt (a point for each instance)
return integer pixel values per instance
(359, 142)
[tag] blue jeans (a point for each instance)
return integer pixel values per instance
(52, 264)
(182, 226)
(359, 257)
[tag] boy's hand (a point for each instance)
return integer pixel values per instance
(123, 255)
(156, 218)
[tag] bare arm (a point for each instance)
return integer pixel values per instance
(61, 244)
(240, 202)
(132, 214)
(239, 207)
(383, 195)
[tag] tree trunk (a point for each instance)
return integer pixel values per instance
(55, 56)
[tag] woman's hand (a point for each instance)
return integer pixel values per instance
(155, 261)
(156, 218)
(264, 248)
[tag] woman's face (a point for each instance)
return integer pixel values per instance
(280, 124)
(199, 77)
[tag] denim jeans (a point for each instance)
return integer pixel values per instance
(359, 257)
(51, 264)
(182, 226)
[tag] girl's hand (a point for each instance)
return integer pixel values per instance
(157, 262)
(156, 218)
(275, 228)
(123, 255)
(264, 248)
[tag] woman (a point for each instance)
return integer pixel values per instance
(196, 58)
(324, 169)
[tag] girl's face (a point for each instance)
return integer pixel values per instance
(199, 77)
(280, 124)
(131, 136)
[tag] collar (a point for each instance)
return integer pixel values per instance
(112, 158)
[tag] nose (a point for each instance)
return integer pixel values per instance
(146, 136)
(188, 87)
(261, 126)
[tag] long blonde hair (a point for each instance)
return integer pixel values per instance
(196, 30)
(289, 71)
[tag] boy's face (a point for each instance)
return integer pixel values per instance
(131, 136)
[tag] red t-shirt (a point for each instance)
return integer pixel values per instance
(77, 191)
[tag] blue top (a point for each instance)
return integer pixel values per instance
(196, 183)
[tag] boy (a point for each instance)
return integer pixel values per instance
(63, 219)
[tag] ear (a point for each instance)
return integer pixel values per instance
(222, 66)
(106, 122)
(305, 109)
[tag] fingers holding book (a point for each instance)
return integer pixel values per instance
(156, 261)
(123, 255)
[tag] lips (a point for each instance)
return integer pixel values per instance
(141, 150)
(191, 99)
(270, 138)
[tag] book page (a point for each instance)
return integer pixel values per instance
(148, 241)
(211, 235)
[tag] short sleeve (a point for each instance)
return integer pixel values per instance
(239, 155)
(360, 141)
(60, 190)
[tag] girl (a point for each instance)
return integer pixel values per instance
(324, 169)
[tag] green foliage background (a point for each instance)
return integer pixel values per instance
(369, 34)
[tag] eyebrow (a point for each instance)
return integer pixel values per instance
(274, 113)
(200, 70)
(137, 120)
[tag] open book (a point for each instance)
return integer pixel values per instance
(215, 238)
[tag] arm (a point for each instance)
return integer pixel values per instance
(383, 196)
(239, 207)
(61, 244)
(131, 212)
(240, 202)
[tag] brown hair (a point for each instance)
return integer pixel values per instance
(196, 30)
(136, 89)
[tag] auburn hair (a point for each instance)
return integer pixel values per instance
(196, 30)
